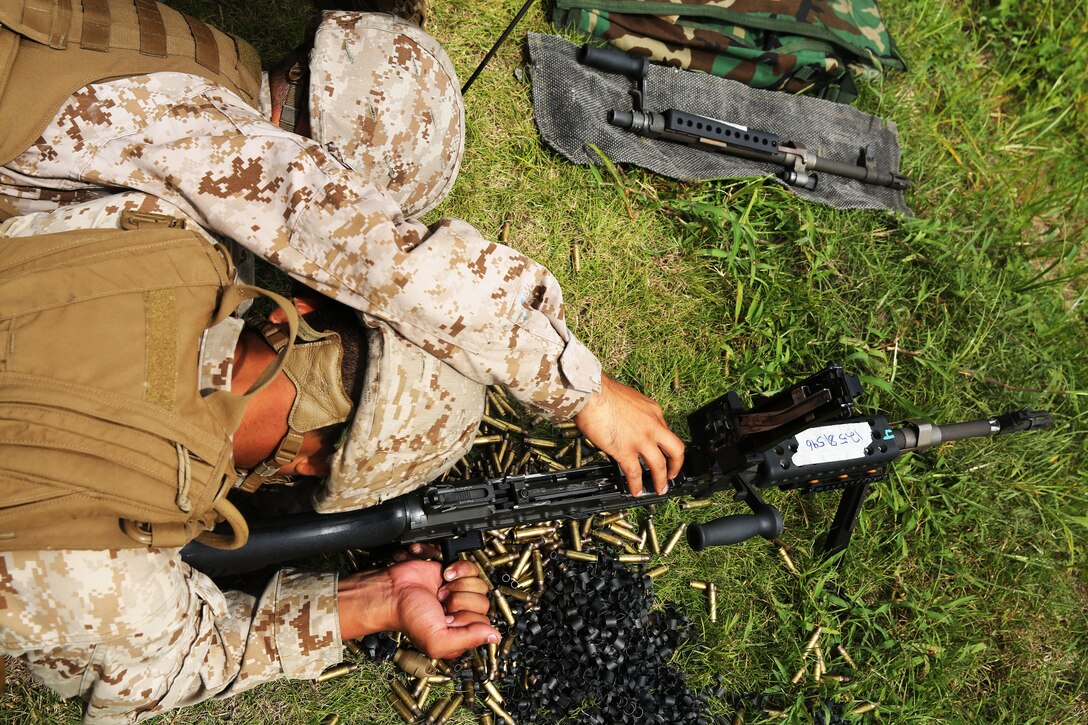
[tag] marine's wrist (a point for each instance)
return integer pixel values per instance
(365, 604)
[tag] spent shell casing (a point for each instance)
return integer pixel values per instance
(438, 679)
(577, 555)
(864, 708)
(625, 533)
(843, 679)
(485, 719)
(532, 532)
(503, 560)
(820, 658)
(331, 720)
(538, 569)
(785, 557)
(701, 586)
(400, 691)
(606, 537)
(633, 558)
(657, 571)
(813, 639)
(518, 594)
(413, 663)
(403, 710)
(504, 607)
(541, 443)
(443, 667)
(651, 536)
(492, 660)
(712, 596)
(696, 504)
(338, 671)
(486, 440)
(671, 543)
(493, 691)
(499, 711)
(437, 709)
(575, 535)
(423, 694)
(451, 708)
(608, 519)
(578, 453)
(841, 652)
(738, 719)
(576, 256)
(470, 693)
(353, 647)
(798, 675)
(522, 564)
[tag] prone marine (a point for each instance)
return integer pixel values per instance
(138, 131)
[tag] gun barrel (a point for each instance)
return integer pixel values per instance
(275, 540)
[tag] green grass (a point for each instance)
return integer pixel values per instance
(963, 597)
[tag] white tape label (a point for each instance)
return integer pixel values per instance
(828, 443)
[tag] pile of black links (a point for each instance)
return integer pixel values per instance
(594, 650)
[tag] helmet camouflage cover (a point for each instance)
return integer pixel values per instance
(385, 100)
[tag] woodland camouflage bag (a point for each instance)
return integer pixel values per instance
(790, 45)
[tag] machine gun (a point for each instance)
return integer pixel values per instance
(710, 134)
(807, 437)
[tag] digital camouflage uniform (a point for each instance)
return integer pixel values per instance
(137, 632)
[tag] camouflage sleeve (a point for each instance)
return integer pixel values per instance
(136, 632)
(490, 312)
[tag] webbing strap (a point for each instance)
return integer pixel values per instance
(96, 26)
(207, 52)
(48, 19)
(152, 29)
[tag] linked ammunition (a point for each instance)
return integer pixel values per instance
(413, 663)
(577, 555)
(712, 595)
(499, 712)
(401, 693)
(338, 671)
(696, 504)
(671, 543)
(841, 651)
(657, 571)
(864, 708)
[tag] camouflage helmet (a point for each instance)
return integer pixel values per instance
(385, 100)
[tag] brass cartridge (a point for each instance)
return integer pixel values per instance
(671, 543)
(338, 671)
(657, 571)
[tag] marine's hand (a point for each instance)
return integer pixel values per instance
(628, 426)
(444, 612)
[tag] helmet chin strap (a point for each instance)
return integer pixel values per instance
(321, 401)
